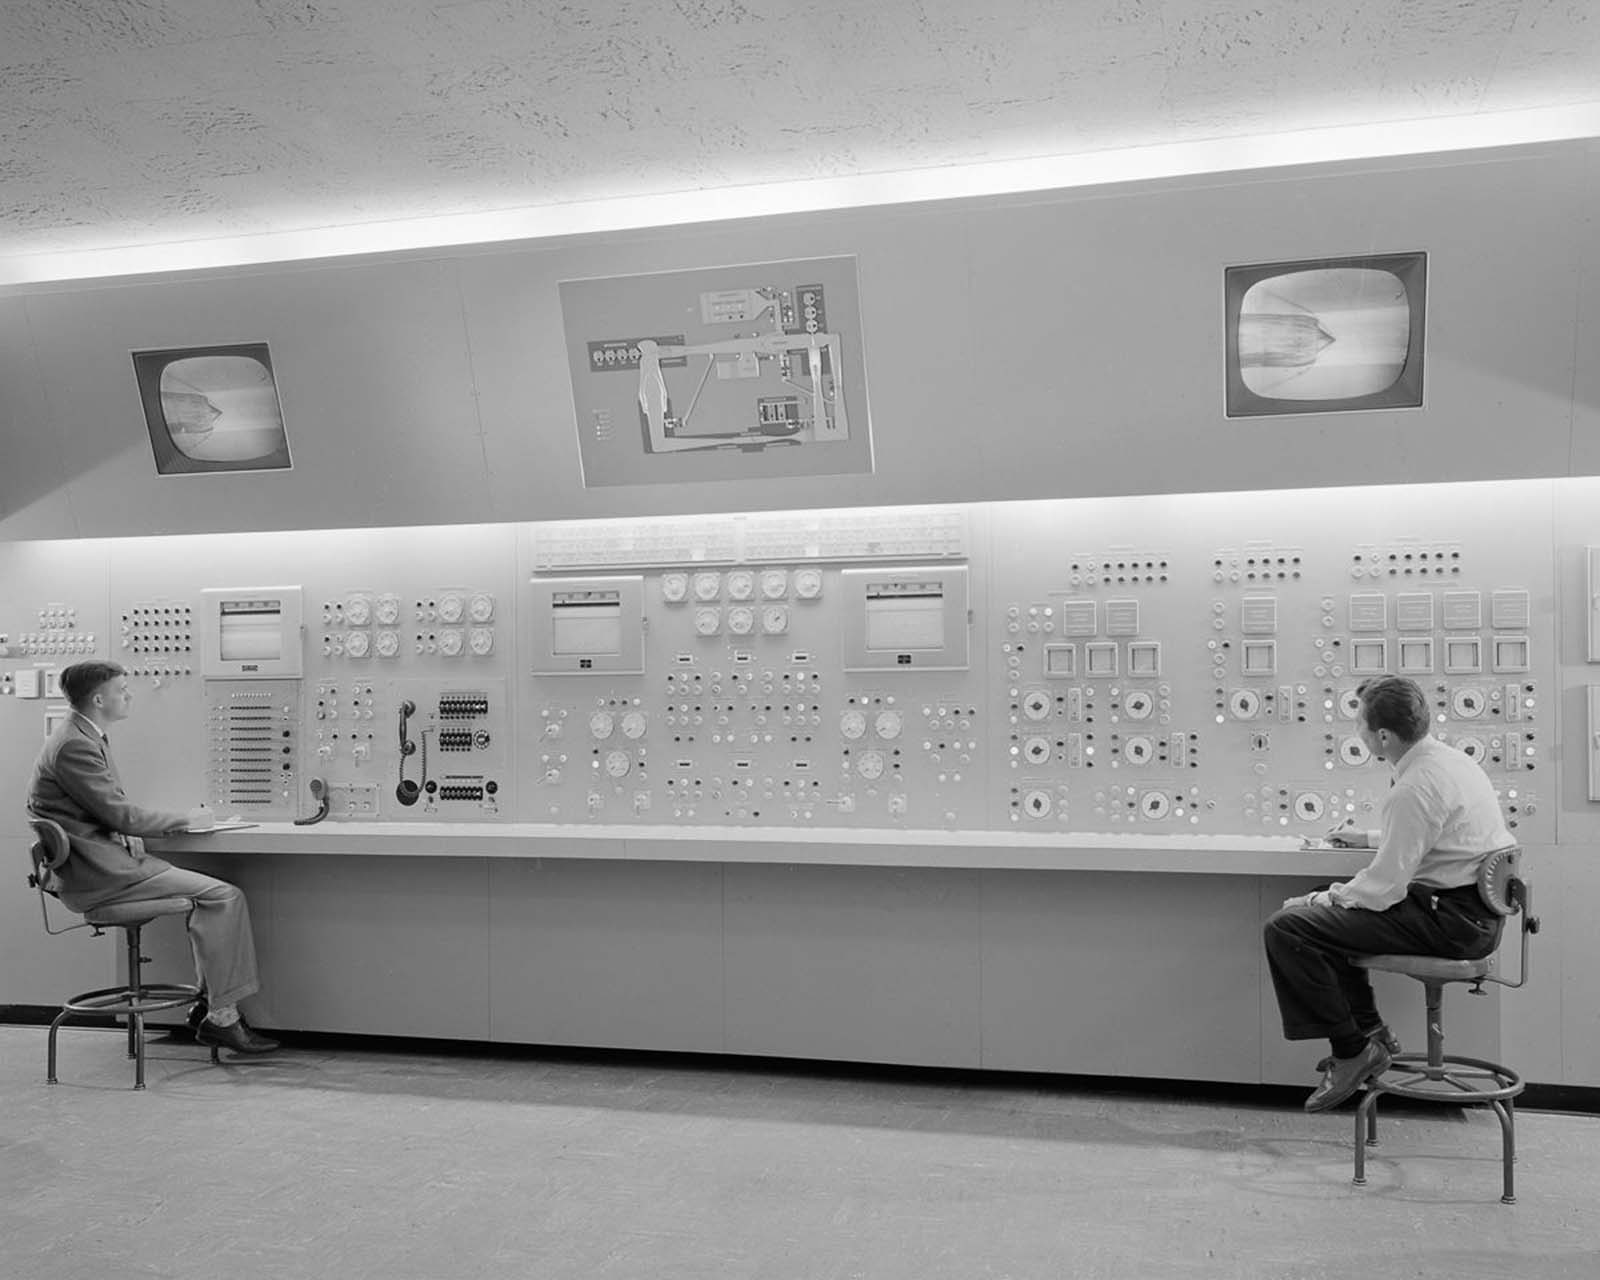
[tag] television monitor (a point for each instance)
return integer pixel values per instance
(1325, 335)
(212, 409)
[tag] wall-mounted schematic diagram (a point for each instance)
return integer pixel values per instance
(723, 373)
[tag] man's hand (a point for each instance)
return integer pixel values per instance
(1347, 835)
(201, 818)
(1321, 898)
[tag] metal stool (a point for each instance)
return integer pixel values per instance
(136, 997)
(1436, 1076)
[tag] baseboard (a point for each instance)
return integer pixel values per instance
(1536, 1097)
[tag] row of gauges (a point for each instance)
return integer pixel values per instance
(740, 584)
(450, 608)
(449, 641)
(741, 620)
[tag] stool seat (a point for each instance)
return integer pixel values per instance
(1430, 968)
(120, 914)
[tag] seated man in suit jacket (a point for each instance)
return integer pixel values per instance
(75, 784)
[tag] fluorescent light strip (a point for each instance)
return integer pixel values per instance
(1131, 164)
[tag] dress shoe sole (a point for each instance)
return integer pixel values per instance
(249, 1043)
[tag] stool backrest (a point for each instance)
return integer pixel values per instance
(1506, 893)
(49, 850)
(1498, 881)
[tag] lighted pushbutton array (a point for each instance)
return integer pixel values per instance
(158, 637)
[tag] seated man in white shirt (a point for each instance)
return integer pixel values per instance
(1418, 895)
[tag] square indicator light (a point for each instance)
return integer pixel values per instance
(1144, 658)
(1463, 655)
(1060, 660)
(1100, 659)
(1259, 658)
(1416, 657)
(1369, 657)
(1511, 653)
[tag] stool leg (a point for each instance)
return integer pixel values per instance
(1508, 1149)
(135, 1047)
(136, 1030)
(1366, 1124)
(50, 1068)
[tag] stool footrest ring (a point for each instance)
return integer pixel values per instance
(153, 996)
(1425, 1081)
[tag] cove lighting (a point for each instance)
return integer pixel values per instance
(1132, 164)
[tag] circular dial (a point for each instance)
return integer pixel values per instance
(357, 643)
(775, 619)
(450, 642)
(869, 764)
(481, 607)
(618, 764)
(1470, 747)
(388, 643)
(674, 587)
(1309, 806)
(808, 583)
(358, 611)
(601, 723)
(1349, 704)
(1138, 704)
(741, 620)
(707, 586)
(852, 724)
(481, 640)
(1035, 705)
(451, 607)
(1468, 703)
(707, 621)
(387, 610)
(1037, 804)
(1036, 750)
(1244, 704)
(1354, 751)
(1138, 750)
(887, 724)
(774, 583)
(1154, 804)
(634, 724)
(741, 584)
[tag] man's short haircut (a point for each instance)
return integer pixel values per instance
(1396, 704)
(81, 679)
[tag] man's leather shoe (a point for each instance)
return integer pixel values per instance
(1345, 1075)
(235, 1036)
(1380, 1033)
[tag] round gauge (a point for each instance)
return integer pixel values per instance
(1470, 747)
(1468, 703)
(1138, 749)
(358, 611)
(618, 764)
(852, 724)
(1035, 704)
(1138, 705)
(674, 587)
(707, 621)
(1154, 804)
(1309, 806)
(808, 583)
(357, 643)
(451, 607)
(388, 643)
(1354, 751)
(387, 610)
(601, 723)
(741, 620)
(887, 724)
(775, 619)
(481, 640)
(774, 584)
(1244, 704)
(741, 584)
(481, 607)
(634, 724)
(869, 764)
(1349, 704)
(1037, 804)
(450, 641)
(707, 586)
(1036, 750)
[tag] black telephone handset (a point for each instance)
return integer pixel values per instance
(408, 792)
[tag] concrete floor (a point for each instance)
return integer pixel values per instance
(409, 1166)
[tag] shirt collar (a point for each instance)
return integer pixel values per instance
(1421, 747)
(99, 732)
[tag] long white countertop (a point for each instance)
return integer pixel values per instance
(1007, 850)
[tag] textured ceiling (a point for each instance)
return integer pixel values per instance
(126, 122)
